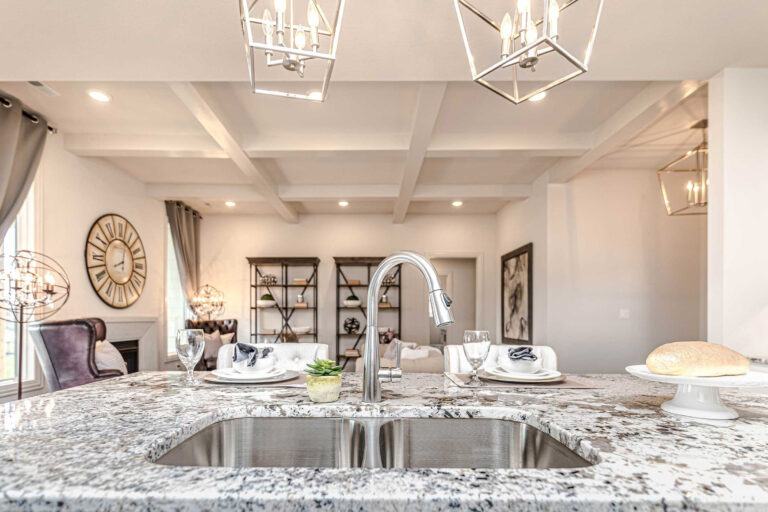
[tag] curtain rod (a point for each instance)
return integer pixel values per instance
(32, 117)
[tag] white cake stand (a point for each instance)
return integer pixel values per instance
(699, 397)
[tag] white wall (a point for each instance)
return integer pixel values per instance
(520, 223)
(460, 284)
(228, 240)
(76, 191)
(738, 274)
(607, 245)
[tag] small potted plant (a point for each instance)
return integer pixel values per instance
(352, 301)
(323, 381)
(266, 301)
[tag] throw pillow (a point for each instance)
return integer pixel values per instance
(226, 339)
(212, 345)
(109, 358)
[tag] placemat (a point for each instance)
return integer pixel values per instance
(298, 382)
(461, 379)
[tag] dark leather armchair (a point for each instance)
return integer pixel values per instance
(225, 326)
(67, 351)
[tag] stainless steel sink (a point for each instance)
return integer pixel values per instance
(372, 443)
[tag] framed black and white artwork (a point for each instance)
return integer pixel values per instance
(517, 296)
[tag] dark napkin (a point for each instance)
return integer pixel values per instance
(244, 351)
(522, 354)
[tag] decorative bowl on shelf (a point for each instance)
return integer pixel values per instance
(266, 303)
(351, 303)
(304, 329)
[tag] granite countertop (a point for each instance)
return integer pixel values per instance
(91, 448)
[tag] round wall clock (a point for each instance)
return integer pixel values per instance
(116, 262)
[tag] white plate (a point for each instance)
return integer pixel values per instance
(699, 397)
(533, 376)
(286, 375)
(503, 376)
(234, 374)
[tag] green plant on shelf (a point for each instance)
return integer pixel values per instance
(323, 368)
(353, 297)
(267, 296)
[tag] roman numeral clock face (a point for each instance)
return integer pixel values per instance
(117, 265)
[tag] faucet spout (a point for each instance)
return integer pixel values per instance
(439, 302)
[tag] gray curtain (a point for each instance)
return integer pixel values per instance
(185, 232)
(22, 139)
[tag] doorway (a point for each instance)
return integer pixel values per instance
(458, 278)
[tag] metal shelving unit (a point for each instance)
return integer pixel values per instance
(284, 292)
(362, 268)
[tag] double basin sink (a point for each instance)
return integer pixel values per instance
(372, 443)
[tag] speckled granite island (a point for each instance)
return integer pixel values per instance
(92, 447)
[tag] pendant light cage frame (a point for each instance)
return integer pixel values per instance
(684, 181)
(542, 45)
(329, 29)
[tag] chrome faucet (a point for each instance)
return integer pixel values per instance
(440, 305)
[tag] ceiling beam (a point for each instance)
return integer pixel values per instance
(650, 105)
(333, 145)
(143, 146)
(194, 97)
(314, 193)
(425, 116)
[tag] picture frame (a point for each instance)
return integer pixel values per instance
(517, 296)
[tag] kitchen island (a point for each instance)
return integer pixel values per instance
(93, 447)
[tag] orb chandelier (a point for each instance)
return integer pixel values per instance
(535, 34)
(684, 181)
(33, 287)
(207, 302)
(291, 41)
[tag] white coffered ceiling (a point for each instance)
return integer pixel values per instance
(402, 130)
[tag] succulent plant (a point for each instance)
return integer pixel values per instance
(353, 297)
(267, 296)
(323, 368)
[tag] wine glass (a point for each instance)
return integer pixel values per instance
(477, 344)
(189, 347)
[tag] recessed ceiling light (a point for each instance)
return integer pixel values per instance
(100, 96)
(539, 97)
(457, 203)
(231, 204)
(343, 204)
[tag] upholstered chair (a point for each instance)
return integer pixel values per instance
(289, 356)
(456, 361)
(225, 326)
(67, 351)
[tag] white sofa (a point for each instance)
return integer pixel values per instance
(456, 361)
(289, 356)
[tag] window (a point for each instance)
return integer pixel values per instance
(176, 311)
(23, 234)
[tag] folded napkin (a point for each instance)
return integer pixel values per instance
(244, 351)
(522, 354)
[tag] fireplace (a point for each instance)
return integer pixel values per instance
(129, 349)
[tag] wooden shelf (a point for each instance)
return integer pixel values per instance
(283, 286)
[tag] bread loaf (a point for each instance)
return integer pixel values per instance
(696, 359)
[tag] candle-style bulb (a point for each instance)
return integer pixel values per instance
(523, 6)
(267, 26)
(313, 17)
(554, 17)
(280, 6)
(49, 278)
(531, 34)
(300, 39)
(506, 27)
